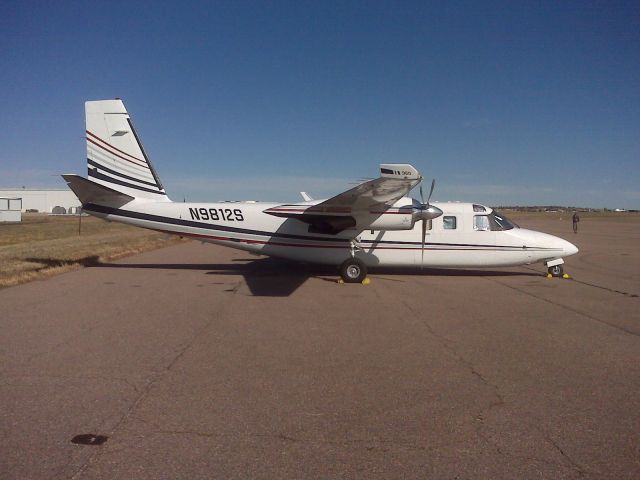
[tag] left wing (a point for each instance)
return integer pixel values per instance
(369, 198)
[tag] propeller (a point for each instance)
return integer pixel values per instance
(426, 211)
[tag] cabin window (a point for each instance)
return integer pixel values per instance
(449, 223)
(481, 223)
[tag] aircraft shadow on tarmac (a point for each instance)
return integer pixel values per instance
(272, 277)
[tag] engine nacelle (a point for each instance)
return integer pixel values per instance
(392, 219)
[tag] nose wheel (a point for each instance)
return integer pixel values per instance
(556, 271)
(353, 270)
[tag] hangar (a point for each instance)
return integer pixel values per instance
(45, 200)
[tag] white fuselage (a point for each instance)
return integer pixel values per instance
(245, 226)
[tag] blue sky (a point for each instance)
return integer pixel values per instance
(501, 102)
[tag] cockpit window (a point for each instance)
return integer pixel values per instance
(499, 222)
(478, 208)
(481, 223)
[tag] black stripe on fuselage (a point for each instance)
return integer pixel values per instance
(91, 207)
(94, 174)
(223, 228)
(113, 172)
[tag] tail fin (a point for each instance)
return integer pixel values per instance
(115, 155)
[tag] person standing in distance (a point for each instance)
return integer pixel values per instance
(575, 219)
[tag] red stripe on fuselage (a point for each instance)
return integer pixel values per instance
(390, 213)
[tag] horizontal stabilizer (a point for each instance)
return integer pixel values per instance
(92, 192)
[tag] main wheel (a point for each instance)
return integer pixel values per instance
(353, 270)
(556, 270)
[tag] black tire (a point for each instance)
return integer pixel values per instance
(353, 270)
(556, 270)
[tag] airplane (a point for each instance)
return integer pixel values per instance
(371, 224)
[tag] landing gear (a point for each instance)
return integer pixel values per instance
(353, 270)
(556, 271)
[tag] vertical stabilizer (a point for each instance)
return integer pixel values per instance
(115, 155)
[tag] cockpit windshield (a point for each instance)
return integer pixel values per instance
(500, 222)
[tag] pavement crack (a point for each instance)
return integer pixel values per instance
(449, 346)
(565, 307)
(73, 377)
(579, 469)
(188, 432)
(369, 444)
(499, 402)
(156, 377)
(595, 285)
(567, 464)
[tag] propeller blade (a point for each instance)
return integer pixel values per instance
(433, 184)
(424, 234)
(421, 195)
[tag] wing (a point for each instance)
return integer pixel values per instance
(342, 211)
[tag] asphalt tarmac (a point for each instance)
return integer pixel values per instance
(196, 361)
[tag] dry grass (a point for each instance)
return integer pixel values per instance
(42, 246)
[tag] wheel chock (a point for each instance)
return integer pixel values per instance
(340, 281)
(566, 275)
(549, 275)
(366, 281)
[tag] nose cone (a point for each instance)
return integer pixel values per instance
(569, 248)
(553, 247)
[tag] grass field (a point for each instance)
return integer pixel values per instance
(44, 245)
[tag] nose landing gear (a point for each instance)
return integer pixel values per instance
(556, 271)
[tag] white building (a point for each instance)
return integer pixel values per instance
(43, 200)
